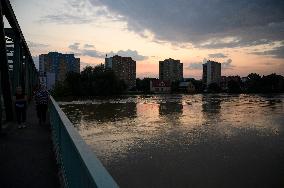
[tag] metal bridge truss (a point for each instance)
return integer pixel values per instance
(16, 63)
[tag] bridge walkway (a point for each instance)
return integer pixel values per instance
(26, 155)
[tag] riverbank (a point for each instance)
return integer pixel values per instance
(125, 95)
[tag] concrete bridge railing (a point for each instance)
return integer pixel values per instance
(81, 168)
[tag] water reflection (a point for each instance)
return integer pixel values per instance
(186, 141)
(211, 104)
(101, 112)
(169, 108)
(273, 102)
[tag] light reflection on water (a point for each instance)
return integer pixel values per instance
(186, 140)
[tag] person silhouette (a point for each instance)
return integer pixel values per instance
(41, 98)
(20, 101)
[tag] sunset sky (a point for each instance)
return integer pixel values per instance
(244, 35)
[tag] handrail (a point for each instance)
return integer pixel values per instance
(80, 166)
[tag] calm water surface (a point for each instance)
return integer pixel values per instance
(186, 140)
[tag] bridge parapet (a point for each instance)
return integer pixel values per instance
(80, 166)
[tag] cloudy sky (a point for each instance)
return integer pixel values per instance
(244, 35)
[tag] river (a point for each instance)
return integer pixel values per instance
(214, 140)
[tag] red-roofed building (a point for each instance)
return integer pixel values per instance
(159, 86)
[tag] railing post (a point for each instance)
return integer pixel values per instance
(13, 46)
(17, 62)
(28, 78)
(22, 69)
(0, 106)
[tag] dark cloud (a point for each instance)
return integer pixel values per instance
(129, 53)
(268, 63)
(89, 46)
(227, 64)
(195, 66)
(74, 46)
(210, 24)
(89, 50)
(77, 12)
(217, 55)
(83, 64)
(92, 53)
(206, 24)
(277, 52)
(65, 18)
(198, 66)
(36, 45)
(233, 42)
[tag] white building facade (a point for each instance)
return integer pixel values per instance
(211, 73)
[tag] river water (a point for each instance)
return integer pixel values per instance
(214, 140)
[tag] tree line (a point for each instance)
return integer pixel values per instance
(100, 81)
(254, 83)
(272, 83)
(92, 81)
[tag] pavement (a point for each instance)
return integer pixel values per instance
(26, 155)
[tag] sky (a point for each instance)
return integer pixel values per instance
(245, 35)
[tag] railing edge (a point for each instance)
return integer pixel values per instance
(95, 168)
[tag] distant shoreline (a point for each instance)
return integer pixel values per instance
(70, 98)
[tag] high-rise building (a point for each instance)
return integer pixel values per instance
(59, 64)
(211, 73)
(170, 70)
(124, 68)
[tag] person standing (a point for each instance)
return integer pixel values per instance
(41, 98)
(20, 101)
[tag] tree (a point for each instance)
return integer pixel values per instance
(214, 88)
(87, 79)
(272, 83)
(73, 84)
(59, 90)
(175, 86)
(143, 85)
(93, 81)
(234, 86)
(254, 83)
(197, 84)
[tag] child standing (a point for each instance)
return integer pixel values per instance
(20, 107)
